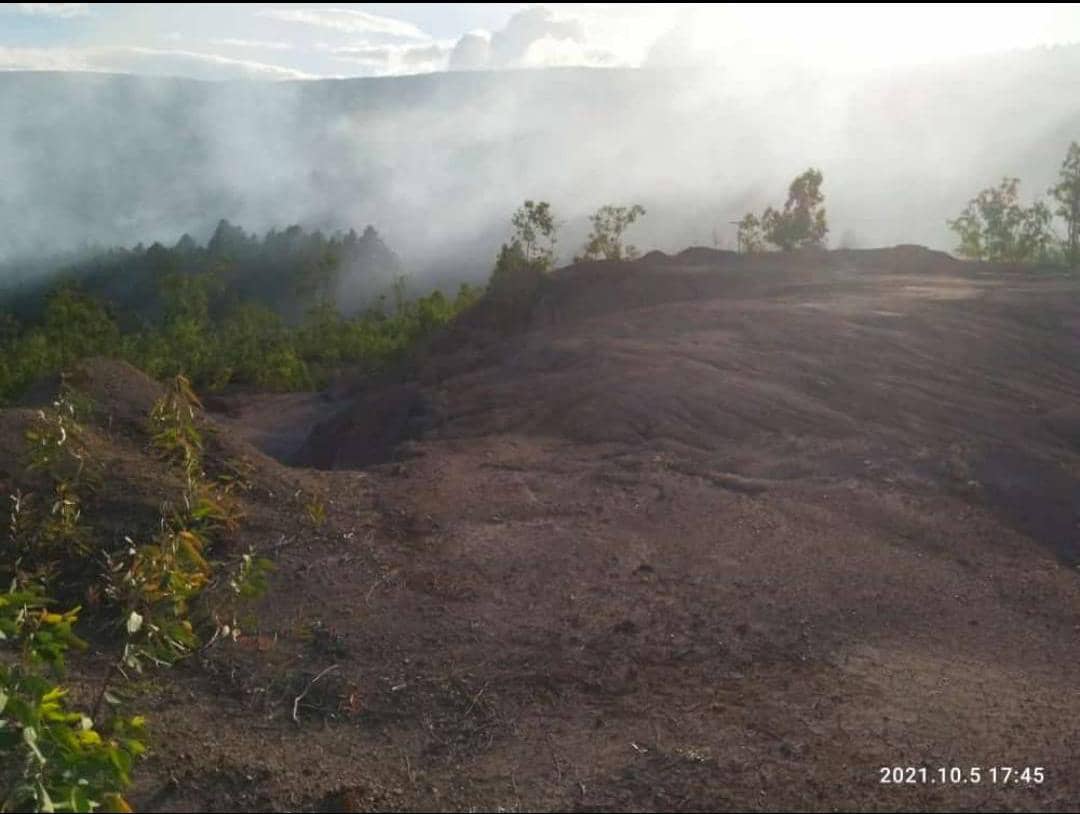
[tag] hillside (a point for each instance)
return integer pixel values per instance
(710, 532)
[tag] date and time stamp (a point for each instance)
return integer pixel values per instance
(962, 775)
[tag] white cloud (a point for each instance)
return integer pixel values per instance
(510, 45)
(533, 37)
(472, 52)
(54, 9)
(148, 61)
(234, 42)
(587, 35)
(347, 21)
(386, 59)
(549, 52)
(197, 64)
(40, 59)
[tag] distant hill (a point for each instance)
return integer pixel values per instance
(437, 162)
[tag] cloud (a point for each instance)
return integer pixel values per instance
(40, 59)
(533, 37)
(347, 21)
(472, 52)
(194, 64)
(148, 61)
(63, 10)
(550, 52)
(510, 46)
(234, 42)
(386, 59)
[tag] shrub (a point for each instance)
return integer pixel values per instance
(53, 757)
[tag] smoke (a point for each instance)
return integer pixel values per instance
(438, 162)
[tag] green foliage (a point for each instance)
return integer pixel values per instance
(252, 577)
(801, 223)
(156, 583)
(511, 265)
(996, 227)
(315, 509)
(155, 589)
(275, 314)
(173, 427)
(44, 636)
(514, 283)
(54, 758)
(534, 230)
(522, 264)
(246, 344)
(77, 325)
(256, 348)
(750, 238)
(46, 535)
(1066, 192)
(72, 327)
(605, 242)
(51, 757)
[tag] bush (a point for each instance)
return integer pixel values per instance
(53, 757)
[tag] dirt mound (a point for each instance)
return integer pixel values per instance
(125, 391)
(115, 401)
(900, 363)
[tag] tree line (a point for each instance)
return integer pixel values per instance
(278, 313)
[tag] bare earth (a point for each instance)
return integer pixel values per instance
(714, 533)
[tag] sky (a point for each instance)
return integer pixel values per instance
(292, 41)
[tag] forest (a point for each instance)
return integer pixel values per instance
(278, 312)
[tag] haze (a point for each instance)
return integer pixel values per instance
(700, 114)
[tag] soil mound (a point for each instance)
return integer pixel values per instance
(819, 365)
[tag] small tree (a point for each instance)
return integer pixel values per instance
(994, 226)
(1067, 194)
(802, 223)
(749, 236)
(523, 262)
(534, 228)
(605, 240)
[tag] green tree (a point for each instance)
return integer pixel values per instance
(535, 228)
(750, 238)
(522, 263)
(608, 225)
(1067, 194)
(801, 223)
(994, 226)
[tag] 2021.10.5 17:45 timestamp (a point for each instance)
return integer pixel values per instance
(967, 775)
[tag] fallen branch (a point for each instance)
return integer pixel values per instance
(307, 689)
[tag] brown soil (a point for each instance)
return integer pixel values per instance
(713, 533)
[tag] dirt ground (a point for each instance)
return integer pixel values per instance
(714, 533)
